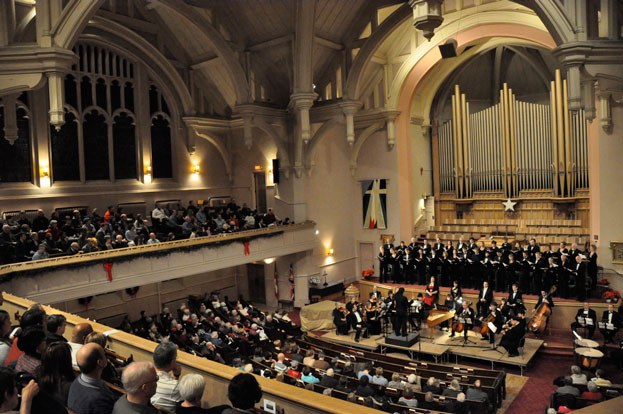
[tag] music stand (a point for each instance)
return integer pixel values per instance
(465, 338)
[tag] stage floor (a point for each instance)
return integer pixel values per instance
(443, 346)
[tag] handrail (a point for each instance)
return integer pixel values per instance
(155, 247)
(295, 400)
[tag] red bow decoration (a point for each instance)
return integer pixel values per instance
(246, 248)
(108, 267)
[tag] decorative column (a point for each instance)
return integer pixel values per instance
(10, 118)
(349, 108)
(302, 102)
(390, 118)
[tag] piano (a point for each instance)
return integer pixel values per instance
(437, 315)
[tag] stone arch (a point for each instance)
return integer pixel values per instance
(312, 146)
(74, 18)
(376, 39)
(150, 57)
(278, 139)
(220, 147)
(365, 134)
(553, 17)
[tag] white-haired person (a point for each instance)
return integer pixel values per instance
(139, 381)
(192, 387)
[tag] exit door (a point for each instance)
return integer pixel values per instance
(256, 279)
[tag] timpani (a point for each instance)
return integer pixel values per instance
(588, 358)
(586, 343)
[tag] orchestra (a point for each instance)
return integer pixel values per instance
(514, 269)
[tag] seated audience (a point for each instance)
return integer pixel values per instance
(432, 385)
(243, 392)
(167, 393)
(88, 394)
(429, 402)
(139, 382)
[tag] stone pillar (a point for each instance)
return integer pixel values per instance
(350, 107)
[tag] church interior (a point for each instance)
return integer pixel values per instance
(368, 205)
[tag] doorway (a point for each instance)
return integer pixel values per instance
(259, 181)
(256, 277)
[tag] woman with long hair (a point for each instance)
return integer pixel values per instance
(5, 341)
(56, 372)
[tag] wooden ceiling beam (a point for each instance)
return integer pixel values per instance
(271, 43)
(328, 43)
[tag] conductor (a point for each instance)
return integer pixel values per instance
(402, 307)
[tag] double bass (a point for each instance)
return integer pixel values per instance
(538, 322)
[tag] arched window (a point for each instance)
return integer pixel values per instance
(95, 135)
(65, 153)
(124, 146)
(161, 147)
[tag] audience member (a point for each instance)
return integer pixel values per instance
(167, 393)
(56, 373)
(32, 343)
(396, 382)
(243, 392)
(476, 393)
(9, 401)
(308, 376)
(599, 380)
(88, 394)
(364, 389)
(577, 376)
(5, 341)
(139, 382)
(78, 335)
(592, 393)
(328, 380)
(567, 388)
(191, 390)
(407, 398)
(378, 378)
(56, 329)
(453, 390)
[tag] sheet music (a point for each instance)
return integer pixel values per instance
(610, 326)
(602, 325)
(492, 327)
(581, 320)
(468, 321)
(589, 321)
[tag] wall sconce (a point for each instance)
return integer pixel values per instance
(147, 173)
(44, 175)
(330, 252)
(196, 169)
(269, 260)
(257, 168)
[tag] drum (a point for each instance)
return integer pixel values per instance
(586, 343)
(588, 358)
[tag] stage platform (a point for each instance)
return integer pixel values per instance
(443, 346)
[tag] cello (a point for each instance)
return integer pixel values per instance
(538, 322)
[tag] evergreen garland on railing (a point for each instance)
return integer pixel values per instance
(130, 256)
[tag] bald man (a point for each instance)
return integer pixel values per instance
(139, 381)
(88, 394)
(79, 333)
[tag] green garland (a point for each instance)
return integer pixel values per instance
(130, 257)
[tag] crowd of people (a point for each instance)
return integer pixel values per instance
(23, 239)
(577, 390)
(532, 267)
(53, 374)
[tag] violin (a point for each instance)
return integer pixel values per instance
(511, 326)
(538, 322)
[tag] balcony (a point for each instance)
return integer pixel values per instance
(71, 277)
